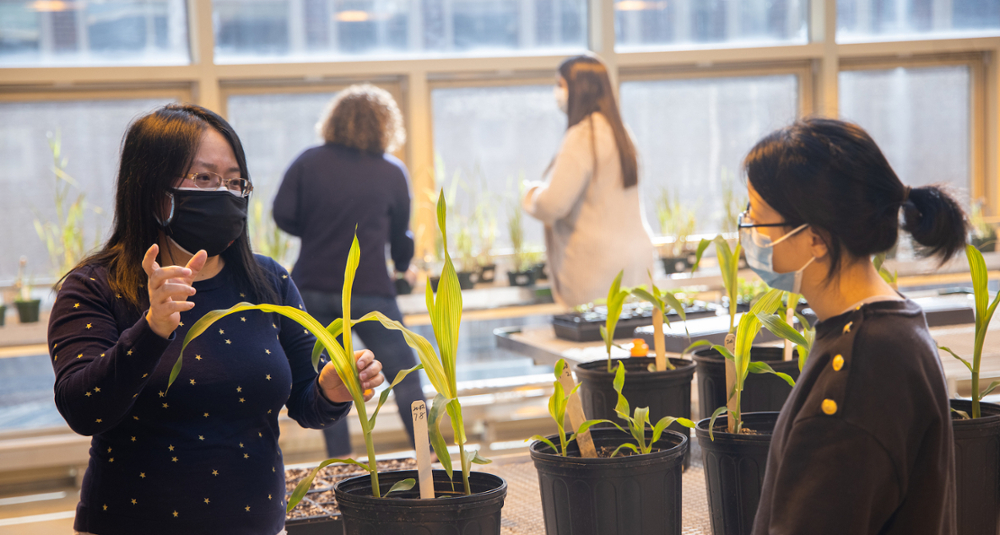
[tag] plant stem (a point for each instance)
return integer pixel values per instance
(465, 469)
(370, 446)
(977, 356)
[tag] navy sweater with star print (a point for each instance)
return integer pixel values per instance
(864, 442)
(203, 457)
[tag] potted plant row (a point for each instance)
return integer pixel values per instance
(389, 502)
(677, 222)
(631, 486)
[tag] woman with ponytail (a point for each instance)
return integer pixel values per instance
(594, 222)
(864, 442)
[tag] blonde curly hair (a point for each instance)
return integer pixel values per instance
(363, 117)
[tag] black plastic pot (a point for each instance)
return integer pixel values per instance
(977, 469)
(539, 270)
(326, 525)
(630, 495)
(27, 311)
(679, 264)
(467, 279)
(521, 278)
(734, 471)
(403, 287)
(761, 392)
(487, 273)
(666, 393)
(405, 513)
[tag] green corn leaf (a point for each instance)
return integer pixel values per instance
(303, 487)
(980, 283)
(638, 426)
(614, 305)
(425, 351)
(806, 327)
(385, 393)
(643, 294)
(726, 266)
(557, 395)
(780, 328)
(696, 345)
(336, 328)
(702, 246)
(547, 442)
(763, 367)
(457, 424)
(724, 352)
(803, 352)
(963, 414)
(622, 407)
(627, 445)
(989, 389)
(672, 301)
(711, 422)
(967, 364)
(748, 328)
(479, 459)
(403, 485)
(560, 366)
(434, 431)
(585, 426)
(353, 258)
(664, 423)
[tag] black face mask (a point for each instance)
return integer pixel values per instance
(209, 220)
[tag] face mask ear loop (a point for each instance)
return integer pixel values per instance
(790, 234)
(170, 216)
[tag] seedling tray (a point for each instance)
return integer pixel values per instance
(586, 326)
(317, 513)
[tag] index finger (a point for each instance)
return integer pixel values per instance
(149, 264)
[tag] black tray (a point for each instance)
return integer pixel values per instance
(586, 326)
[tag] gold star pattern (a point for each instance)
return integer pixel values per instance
(142, 475)
(847, 328)
(272, 469)
(162, 393)
(246, 455)
(109, 450)
(197, 357)
(268, 496)
(241, 444)
(145, 375)
(170, 447)
(97, 389)
(241, 295)
(135, 417)
(174, 459)
(165, 406)
(89, 325)
(305, 331)
(228, 342)
(175, 514)
(80, 355)
(268, 351)
(133, 439)
(99, 420)
(215, 472)
(118, 296)
(239, 388)
(269, 411)
(243, 319)
(76, 305)
(105, 507)
(248, 508)
(88, 394)
(206, 500)
(206, 415)
(242, 400)
(259, 434)
(133, 501)
(129, 352)
(111, 460)
(201, 437)
(181, 323)
(102, 355)
(268, 377)
(221, 331)
(192, 381)
(284, 276)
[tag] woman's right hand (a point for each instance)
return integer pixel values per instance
(169, 288)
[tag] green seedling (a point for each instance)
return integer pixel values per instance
(662, 302)
(729, 264)
(557, 409)
(616, 298)
(749, 327)
(984, 314)
(779, 327)
(639, 421)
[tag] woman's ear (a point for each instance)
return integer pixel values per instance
(819, 241)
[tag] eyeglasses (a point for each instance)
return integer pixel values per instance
(744, 216)
(213, 181)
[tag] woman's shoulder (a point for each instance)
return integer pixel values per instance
(274, 271)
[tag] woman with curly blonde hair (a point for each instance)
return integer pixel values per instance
(351, 182)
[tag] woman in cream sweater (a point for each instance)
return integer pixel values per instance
(594, 221)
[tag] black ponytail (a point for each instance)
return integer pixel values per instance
(935, 220)
(831, 175)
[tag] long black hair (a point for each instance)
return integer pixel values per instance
(158, 149)
(589, 91)
(831, 175)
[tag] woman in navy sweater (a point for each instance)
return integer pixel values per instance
(202, 457)
(353, 182)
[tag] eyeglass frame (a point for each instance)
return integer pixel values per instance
(222, 182)
(745, 213)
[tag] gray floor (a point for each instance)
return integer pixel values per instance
(26, 400)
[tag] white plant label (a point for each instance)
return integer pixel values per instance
(422, 445)
(576, 417)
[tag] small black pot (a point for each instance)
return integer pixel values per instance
(314, 526)
(630, 495)
(522, 278)
(539, 270)
(677, 264)
(761, 393)
(488, 273)
(666, 393)
(467, 279)
(3, 314)
(977, 469)
(27, 311)
(734, 471)
(405, 513)
(403, 287)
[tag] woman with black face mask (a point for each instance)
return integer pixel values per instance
(204, 456)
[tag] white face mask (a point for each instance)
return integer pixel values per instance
(562, 98)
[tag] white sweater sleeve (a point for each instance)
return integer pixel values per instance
(572, 170)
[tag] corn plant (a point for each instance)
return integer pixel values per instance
(749, 327)
(616, 298)
(779, 327)
(729, 264)
(984, 313)
(639, 421)
(661, 301)
(676, 220)
(342, 358)
(557, 409)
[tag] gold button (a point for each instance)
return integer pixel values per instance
(829, 406)
(838, 363)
